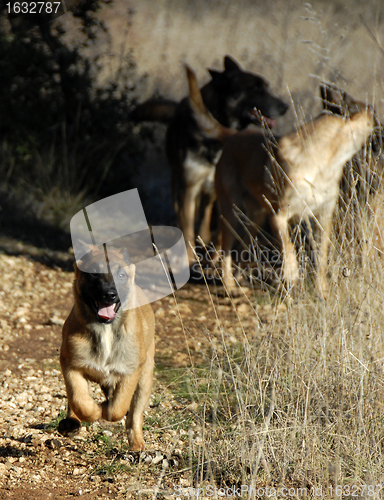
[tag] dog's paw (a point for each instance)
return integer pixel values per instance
(69, 426)
(136, 441)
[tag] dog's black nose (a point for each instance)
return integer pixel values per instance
(111, 296)
(283, 108)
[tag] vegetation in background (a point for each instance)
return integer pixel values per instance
(290, 393)
(61, 136)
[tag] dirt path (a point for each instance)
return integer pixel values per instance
(38, 463)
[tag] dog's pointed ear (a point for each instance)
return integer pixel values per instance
(219, 78)
(333, 98)
(230, 65)
(125, 255)
(76, 267)
(215, 74)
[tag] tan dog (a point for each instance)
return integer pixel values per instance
(289, 179)
(106, 339)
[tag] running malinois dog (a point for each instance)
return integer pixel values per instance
(108, 340)
(290, 179)
(236, 99)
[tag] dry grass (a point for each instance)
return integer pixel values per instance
(299, 400)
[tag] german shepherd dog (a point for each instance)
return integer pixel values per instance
(290, 179)
(362, 176)
(106, 339)
(236, 99)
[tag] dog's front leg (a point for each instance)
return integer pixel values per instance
(290, 267)
(187, 220)
(80, 401)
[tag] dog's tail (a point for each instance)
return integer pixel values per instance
(154, 110)
(210, 127)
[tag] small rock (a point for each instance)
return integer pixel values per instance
(21, 311)
(158, 458)
(184, 308)
(192, 406)
(81, 434)
(3, 469)
(160, 313)
(55, 320)
(46, 397)
(17, 470)
(22, 398)
(243, 308)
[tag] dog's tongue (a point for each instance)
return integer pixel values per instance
(107, 312)
(271, 123)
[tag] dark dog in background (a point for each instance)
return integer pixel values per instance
(236, 99)
(108, 340)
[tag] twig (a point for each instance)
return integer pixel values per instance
(375, 40)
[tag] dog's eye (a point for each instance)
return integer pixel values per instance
(122, 276)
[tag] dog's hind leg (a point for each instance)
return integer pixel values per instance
(205, 226)
(325, 235)
(116, 408)
(132, 393)
(227, 240)
(187, 220)
(134, 421)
